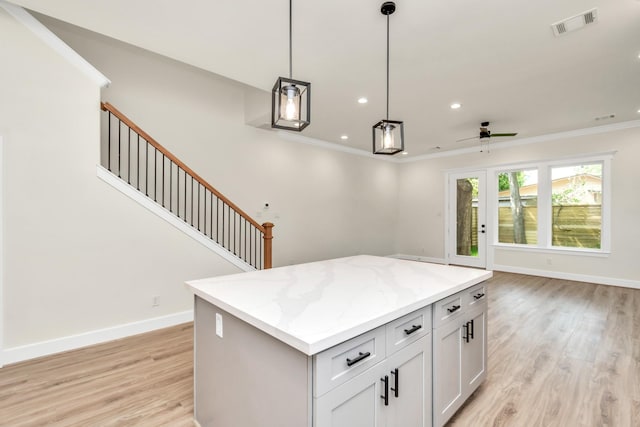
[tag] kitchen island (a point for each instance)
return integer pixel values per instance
(344, 342)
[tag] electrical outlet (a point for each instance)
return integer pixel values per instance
(219, 325)
(155, 301)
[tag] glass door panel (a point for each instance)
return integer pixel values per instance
(467, 226)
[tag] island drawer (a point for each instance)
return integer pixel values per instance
(407, 329)
(344, 361)
(448, 309)
(475, 296)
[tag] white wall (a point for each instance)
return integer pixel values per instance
(1, 247)
(80, 257)
(422, 199)
(324, 203)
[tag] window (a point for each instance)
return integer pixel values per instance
(561, 205)
(576, 203)
(518, 207)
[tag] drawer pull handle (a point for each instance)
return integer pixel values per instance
(360, 357)
(385, 396)
(396, 375)
(413, 329)
(471, 329)
(452, 309)
(478, 296)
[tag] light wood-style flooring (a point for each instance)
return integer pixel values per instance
(146, 380)
(560, 354)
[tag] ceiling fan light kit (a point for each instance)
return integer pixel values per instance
(290, 99)
(388, 135)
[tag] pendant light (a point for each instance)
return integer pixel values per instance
(290, 99)
(388, 135)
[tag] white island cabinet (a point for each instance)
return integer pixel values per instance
(347, 342)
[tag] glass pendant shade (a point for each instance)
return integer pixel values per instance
(388, 137)
(290, 104)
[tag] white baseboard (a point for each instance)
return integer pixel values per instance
(419, 258)
(72, 342)
(600, 280)
(163, 213)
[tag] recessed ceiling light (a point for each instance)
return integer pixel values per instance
(344, 137)
(404, 153)
(455, 105)
(362, 100)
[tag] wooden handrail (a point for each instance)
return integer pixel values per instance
(105, 106)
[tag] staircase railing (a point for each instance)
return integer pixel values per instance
(135, 157)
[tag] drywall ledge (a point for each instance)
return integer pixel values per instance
(163, 213)
(72, 342)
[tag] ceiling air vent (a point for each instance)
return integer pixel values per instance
(575, 22)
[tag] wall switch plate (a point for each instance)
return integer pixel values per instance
(219, 325)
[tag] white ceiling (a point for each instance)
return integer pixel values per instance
(498, 58)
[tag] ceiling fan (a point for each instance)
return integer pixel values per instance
(486, 133)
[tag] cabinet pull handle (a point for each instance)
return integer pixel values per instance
(394, 389)
(478, 296)
(466, 331)
(452, 309)
(413, 329)
(471, 329)
(385, 396)
(360, 357)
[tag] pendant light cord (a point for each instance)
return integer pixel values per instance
(291, 41)
(387, 67)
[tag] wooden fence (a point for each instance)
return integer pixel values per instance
(577, 226)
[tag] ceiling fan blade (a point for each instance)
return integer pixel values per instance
(504, 134)
(466, 139)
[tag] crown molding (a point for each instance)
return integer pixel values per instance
(532, 140)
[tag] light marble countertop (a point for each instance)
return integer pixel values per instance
(314, 306)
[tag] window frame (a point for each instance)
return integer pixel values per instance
(545, 204)
(496, 238)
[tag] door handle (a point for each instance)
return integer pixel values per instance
(396, 375)
(385, 396)
(466, 332)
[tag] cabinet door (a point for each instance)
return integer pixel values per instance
(411, 367)
(474, 368)
(356, 403)
(447, 371)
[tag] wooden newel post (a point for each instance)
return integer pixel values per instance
(268, 237)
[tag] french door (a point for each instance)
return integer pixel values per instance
(467, 227)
